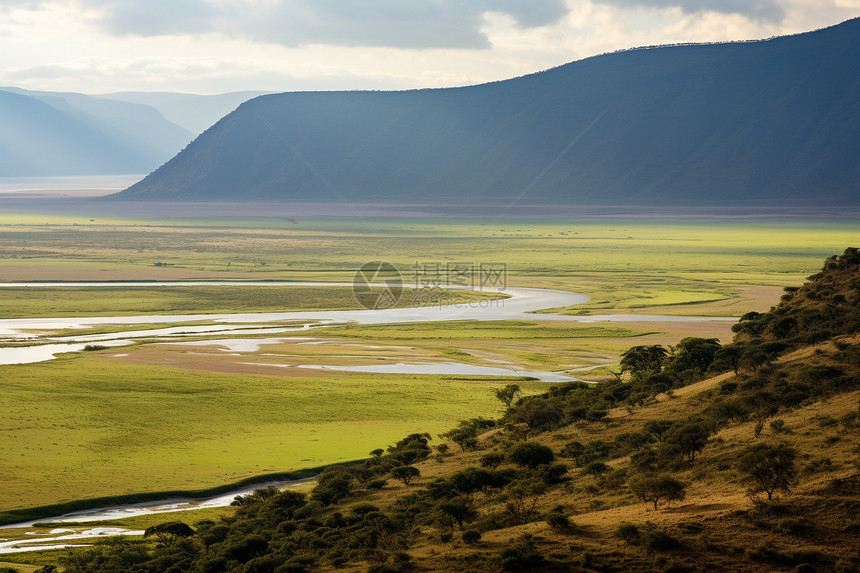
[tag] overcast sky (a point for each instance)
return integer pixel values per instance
(212, 46)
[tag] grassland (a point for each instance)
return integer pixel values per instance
(160, 417)
(24, 302)
(80, 427)
(717, 524)
(84, 426)
(679, 268)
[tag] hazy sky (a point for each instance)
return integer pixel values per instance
(210, 46)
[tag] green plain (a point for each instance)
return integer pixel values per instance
(82, 427)
(79, 427)
(33, 302)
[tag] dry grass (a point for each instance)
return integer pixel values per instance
(716, 523)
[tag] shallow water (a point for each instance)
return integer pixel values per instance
(132, 510)
(520, 305)
(453, 368)
(38, 542)
(31, 354)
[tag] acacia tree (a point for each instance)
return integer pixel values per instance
(405, 473)
(508, 394)
(573, 450)
(522, 500)
(466, 438)
(536, 413)
(657, 428)
(170, 532)
(643, 360)
(729, 358)
(658, 488)
(689, 439)
(460, 509)
(693, 353)
(769, 467)
(530, 454)
(762, 406)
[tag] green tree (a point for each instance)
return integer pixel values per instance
(573, 450)
(644, 360)
(169, 532)
(693, 353)
(728, 358)
(466, 438)
(508, 394)
(460, 509)
(536, 413)
(689, 438)
(522, 500)
(332, 487)
(658, 428)
(762, 406)
(769, 467)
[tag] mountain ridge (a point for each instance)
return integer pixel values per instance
(769, 120)
(64, 133)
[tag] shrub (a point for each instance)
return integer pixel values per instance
(471, 537)
(377, 484)
(492, 460)
(558, 521)
(792, 526)
(778, 426)
(332, 487)
(573, 450)
(657, 540)
(552, 474)
(364, 509)
(628, 532)
(522, 557)
(596, 468)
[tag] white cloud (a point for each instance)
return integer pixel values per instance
(766, 10)
(212, 46)
(391, 23)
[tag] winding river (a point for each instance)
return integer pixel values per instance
(519, 306)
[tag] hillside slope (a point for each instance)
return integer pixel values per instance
(756, 121)
(45, 134)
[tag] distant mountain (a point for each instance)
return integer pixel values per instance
(196, 113)
(768, 121)
(45, 134)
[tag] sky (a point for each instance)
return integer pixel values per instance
(216, 46)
